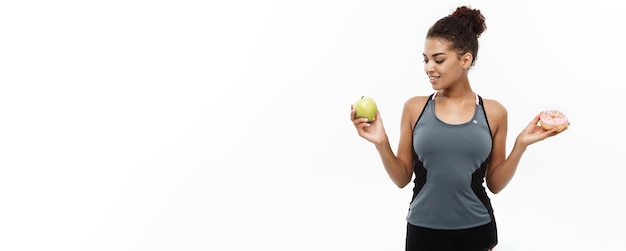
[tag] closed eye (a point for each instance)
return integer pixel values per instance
(436, 61)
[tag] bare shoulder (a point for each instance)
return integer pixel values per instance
(413, 108)
(415, 103)
(494, 109)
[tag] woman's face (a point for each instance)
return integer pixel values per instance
(442, 64)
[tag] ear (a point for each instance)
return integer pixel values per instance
(466, 60)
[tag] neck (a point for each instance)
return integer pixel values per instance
(457, 93)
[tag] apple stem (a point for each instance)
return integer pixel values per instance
(362, 96)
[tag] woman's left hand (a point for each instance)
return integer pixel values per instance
(534, 132)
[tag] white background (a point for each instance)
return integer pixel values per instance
(224, 125)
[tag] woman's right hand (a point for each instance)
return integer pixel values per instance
(373, 131)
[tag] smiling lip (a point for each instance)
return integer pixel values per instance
(433, 79)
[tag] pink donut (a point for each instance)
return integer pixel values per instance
(553, 118)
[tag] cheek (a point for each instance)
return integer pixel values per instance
(449, 69)
(441, 69)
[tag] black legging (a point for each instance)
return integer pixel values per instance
(479, 238)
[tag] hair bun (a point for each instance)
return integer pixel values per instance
(472, 17)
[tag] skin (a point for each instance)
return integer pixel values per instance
(454, 104)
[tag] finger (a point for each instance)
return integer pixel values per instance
(352, 112)
(562, 130)
(535, 119)
(362, 127)
(359, 121)
(552, 132)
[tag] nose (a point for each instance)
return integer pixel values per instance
(429, 66)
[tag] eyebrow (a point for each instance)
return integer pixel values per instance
(434, 55)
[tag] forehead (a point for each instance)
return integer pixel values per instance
(435, 45)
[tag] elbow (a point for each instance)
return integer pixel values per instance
(494, 189)
(402, 184)
(493, 186)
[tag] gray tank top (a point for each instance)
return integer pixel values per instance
(450, 161)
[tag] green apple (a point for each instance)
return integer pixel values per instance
(366, 108)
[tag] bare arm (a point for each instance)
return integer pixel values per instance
(501, 170)
(399, 167)
(399, 172)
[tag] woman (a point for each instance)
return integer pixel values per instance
(451, 140)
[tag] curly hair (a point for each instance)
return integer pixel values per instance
(462, 28)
